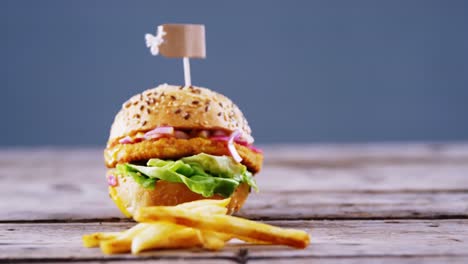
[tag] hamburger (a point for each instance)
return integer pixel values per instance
(174, 144)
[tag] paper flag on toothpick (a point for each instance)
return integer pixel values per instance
(179, 41)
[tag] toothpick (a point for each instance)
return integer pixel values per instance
(187, 77)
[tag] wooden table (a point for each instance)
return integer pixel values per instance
(386, 203)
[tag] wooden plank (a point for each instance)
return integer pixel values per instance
(141, 261)
(61, 241)
(42, 201)
(375, 238)
(373, 191)
(328, 167)
(348, 155)
(64, 201)
(371, 177)
(63, 184)
(330, 239)
(355, 205)
(276, 260)
(364, 260)
(346, 260)
(370, 152)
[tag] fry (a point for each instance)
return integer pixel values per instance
(93, 240)
(214, 240)
(236, 226)
(253, 241)
(123, 242)
(165, 235)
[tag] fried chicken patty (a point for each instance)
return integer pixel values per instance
(173, 148)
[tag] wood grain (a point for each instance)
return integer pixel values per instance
(352, 155)
(355, 205)
(337, 239)
(71, 183)
(364, 260)
(376, 238)
(60, 241)
(143, 261)
(363, 203)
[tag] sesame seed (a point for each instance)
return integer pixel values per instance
(148, 110)
(173, 97)
(127, 105)
(195, 102)
(194, 90)
(142, 107)
(220, 104)
(137, 116)
(178, 111)
(135, 102)
(206, 108)
(186, 116)
(144, 123)
(219, 114)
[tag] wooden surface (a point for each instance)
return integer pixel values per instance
(386, 203)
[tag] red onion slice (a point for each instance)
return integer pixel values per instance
(181, 134)
(112, 180)
(219, 133)
(126, 140)
(241, 141)
(255, 149)
(166, 130)
(159, 132)
(232, 148)
(153, 136)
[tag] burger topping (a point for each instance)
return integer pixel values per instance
(203, 174)
(126, 140)
(232, 149)
(217, 135)
(181, 134)
(166, 130)
(112, 180)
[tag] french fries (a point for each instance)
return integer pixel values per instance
(166, 235)
(238, 227)
(202, 223)
(213, 240)
(123, 242)
(92, 240)
(144, 236)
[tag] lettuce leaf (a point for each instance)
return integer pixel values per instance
(222, 166)
(146, 182)
(203, 174)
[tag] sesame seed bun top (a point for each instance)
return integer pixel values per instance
(180, 107)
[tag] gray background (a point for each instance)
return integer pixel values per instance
(302, 71)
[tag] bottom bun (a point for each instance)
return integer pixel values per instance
(131, 196)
